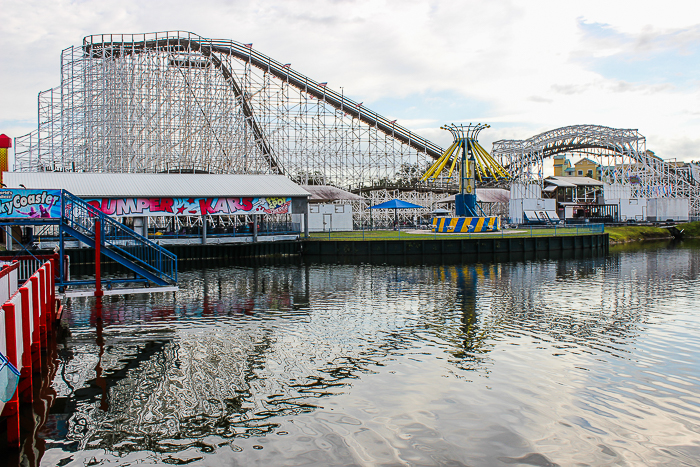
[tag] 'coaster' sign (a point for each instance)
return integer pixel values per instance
(18, 203)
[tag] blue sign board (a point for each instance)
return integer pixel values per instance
(18, 203)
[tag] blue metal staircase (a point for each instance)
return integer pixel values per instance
(118, 242)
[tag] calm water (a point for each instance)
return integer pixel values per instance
(570, 362)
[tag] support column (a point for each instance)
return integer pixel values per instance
(11, 410)
(51, 278)
(8, 237)
(255, 227)
(25, 389)
(98, 259)
(36, 318)
(63, 271)
(141, 226)
(42, 302)
(204, 230)
(300, 206)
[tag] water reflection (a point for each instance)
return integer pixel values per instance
(584, 360)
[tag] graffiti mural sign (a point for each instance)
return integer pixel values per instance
(190, 206)
(16, 203)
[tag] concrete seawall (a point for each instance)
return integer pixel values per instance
(430, 250)
(454, 246)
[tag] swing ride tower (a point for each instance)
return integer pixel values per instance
(472, 162)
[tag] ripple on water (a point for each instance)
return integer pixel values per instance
(590, 361)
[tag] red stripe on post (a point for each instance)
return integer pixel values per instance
(36, 332)
(10, 333)
(42, 306)
(52, 292)
(25, 377)
(98, 258)
(11, 410)
(51, 271)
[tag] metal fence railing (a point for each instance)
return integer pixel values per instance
(26, 265)
(403, 232)
(9, 280)
(241, 230)
(81, 216)
(27, 316)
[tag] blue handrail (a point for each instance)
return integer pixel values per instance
(81, 216)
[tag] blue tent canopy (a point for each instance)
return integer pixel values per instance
(395, 204)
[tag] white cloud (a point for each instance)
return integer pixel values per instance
(530, 63)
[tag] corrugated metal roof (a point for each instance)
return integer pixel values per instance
(449, 199)
(484, 195)
(578, 181)
(492, 195)
(559, 182)
(321, 193)
(149, 185)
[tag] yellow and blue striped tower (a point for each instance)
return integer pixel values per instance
(474, 162)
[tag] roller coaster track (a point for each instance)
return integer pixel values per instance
(178, 101)
(621, 154)
(516, 154)
(97, 47)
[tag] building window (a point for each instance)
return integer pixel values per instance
(580, 172)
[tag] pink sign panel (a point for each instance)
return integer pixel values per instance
(190, 206)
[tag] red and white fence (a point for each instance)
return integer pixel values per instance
(26, 319)
(28, 264)
(8, 283)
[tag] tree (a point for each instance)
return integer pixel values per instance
(410, 174)
(310, 178)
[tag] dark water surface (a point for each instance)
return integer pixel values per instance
(568, 362)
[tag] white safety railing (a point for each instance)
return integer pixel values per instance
(8, 280)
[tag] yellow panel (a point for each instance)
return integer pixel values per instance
(3, 159)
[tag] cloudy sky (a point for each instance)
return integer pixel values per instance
(522, 66)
